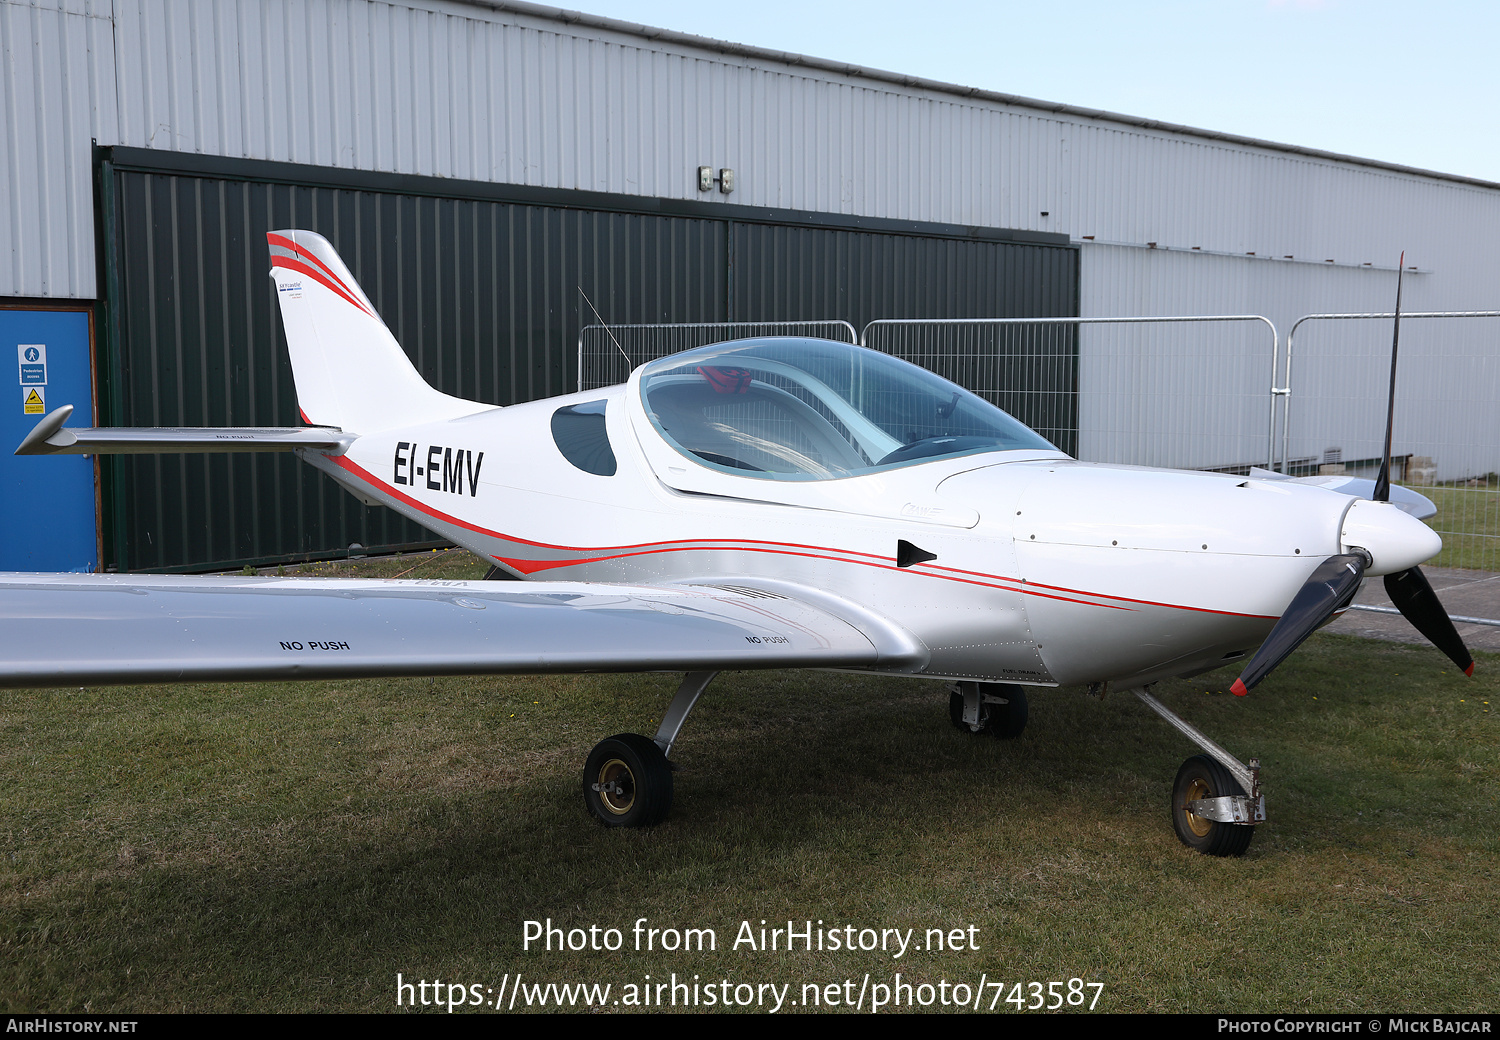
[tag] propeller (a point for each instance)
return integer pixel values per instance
(1333, 584)
(1328, 590)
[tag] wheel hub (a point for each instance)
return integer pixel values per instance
(1197, 824)
(616, 787)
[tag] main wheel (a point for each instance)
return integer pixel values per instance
(627, 782)
(1004, 721)
(1203, 777)
(1008, 721)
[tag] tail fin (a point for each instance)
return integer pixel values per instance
(349, 369)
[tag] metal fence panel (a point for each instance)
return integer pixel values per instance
(1180, 392)
(1028, 369)
(1446, 434)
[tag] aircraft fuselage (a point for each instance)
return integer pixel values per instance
(1045, 570)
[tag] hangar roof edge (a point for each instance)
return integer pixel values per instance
(744, 50)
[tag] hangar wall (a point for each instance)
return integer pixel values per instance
(522, 94)
(1168, 219)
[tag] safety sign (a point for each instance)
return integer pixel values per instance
(34, 400)
(32, 358)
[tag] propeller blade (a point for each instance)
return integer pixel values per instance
(1412, 593)
(1383, 481)
(1329, 589)
(1410, 590)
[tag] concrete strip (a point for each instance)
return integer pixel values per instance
(1472, 593)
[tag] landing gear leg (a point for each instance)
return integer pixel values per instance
(627, 780)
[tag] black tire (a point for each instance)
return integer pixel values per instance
(1203, 777)
(1008, 721)
(1002, 721)
(627, 782)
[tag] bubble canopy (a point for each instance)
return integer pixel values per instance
(810, 409)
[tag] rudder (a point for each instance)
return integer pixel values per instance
(349, 370)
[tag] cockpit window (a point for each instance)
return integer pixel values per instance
(580, 435)
(802, 409)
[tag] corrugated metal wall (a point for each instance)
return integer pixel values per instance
(485, 293)
(802, 273)
(473, 92)
(58, 90)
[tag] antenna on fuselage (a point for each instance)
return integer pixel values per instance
(605, 325)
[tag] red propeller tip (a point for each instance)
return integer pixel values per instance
(1469, 671)
(1238, 689)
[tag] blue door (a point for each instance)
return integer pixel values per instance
(46, 502)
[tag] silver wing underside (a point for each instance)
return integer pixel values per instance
(81, 630)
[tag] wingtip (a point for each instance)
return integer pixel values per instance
(1469, 671)
(44, 431)
(1239, 689)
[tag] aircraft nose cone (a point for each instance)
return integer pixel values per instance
(1395, 540)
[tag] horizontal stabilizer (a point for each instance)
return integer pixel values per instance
(50, 437)
(81, 630)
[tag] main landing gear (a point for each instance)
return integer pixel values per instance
(999, 709)
(627, 780)
(1211, 809)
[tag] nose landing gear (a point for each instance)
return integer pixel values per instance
(1211, 809)
(1205, 787)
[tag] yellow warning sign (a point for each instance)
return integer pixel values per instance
(31, 401)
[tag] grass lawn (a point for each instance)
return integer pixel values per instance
(1469, 521)
(293, 847)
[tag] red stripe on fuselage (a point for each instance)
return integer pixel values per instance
(1104, 595)
(526, 566)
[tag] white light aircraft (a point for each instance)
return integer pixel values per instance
(768, 503)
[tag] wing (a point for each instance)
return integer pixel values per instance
(80, 630)
(1404, 499)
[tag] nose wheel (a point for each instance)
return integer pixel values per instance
(1203, 794)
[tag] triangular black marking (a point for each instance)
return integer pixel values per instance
(908, 554)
